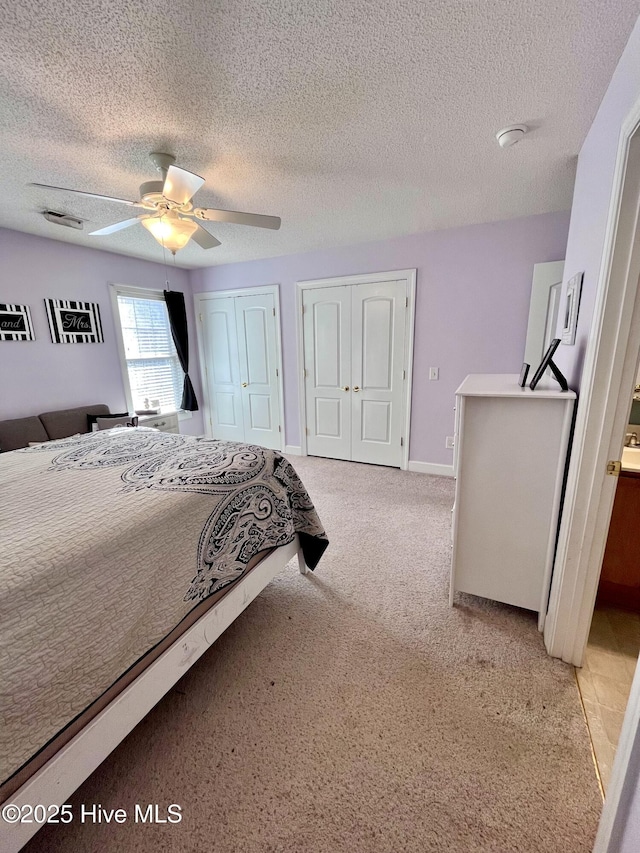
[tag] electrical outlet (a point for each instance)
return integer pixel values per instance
(448, 442)
(434, 373)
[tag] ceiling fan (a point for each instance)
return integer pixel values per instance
(170, 212)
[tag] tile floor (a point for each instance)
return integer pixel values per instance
(605, 680)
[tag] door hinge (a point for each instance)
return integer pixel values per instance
(303, 309)
(274, 311)
(200, 315)
(404, 374)
(401, 442)
(614, 467)
(277, 374)
(406, 302)
(306, 373)
(279, 428)
(306, 431)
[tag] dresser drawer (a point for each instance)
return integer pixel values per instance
(165, 423)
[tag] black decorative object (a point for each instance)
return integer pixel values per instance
(547, 362)
(523, 374)
(180, 334)
(72, 322)
(15, 323)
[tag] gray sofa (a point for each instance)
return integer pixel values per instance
(18, 432)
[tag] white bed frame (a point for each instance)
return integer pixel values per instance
(76, 761)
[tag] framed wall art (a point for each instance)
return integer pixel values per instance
(15, 323)
(72, 322)
(571, 307)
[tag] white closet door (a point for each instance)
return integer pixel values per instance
(257, 351)
(378, 331)
(327, 358)
(222, 370)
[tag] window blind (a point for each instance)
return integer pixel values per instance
(152, 362)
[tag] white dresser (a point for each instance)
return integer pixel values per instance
(509, 462)
(165, 423)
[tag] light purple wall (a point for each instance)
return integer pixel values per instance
(472, 305)
(38, 376)
(592, 193)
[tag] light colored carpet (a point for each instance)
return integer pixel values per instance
(353, 710)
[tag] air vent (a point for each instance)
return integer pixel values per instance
(63, 219)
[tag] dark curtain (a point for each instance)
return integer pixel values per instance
(180, 333)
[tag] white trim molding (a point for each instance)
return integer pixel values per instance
(198, 299)
(607, 384)
(409, 276)
(293, 450)
(434, 468)
(608, 379)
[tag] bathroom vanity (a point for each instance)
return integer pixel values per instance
(620, 576)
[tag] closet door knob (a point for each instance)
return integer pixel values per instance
(356, 388)
(345, 388)
(245, 384)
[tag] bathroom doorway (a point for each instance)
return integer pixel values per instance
(613, 647)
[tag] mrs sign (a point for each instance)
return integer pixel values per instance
(74, 322)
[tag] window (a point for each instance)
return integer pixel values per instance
(153, 370)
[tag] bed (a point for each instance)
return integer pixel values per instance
(124, 555)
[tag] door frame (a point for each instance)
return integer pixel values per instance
(198, 300)
(609, 373)
(408, 275)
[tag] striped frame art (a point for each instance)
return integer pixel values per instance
(15, 323)
(72, 322)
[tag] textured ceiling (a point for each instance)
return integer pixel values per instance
(352, 120)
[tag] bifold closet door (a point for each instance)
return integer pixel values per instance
(257, 351)
(327, 358)
(378, 321)
(222, 368)
(354, 371)
(240, 347)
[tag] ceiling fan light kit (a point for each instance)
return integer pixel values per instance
(508, 136)
(170, 230)
(170, 208)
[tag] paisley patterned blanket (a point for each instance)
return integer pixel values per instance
(107, 541)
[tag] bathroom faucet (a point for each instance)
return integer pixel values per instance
(631, 439)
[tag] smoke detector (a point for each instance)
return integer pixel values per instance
(63, 219)
(508, 136)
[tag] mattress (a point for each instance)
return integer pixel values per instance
(107, 542)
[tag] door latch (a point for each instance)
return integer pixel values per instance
(614, 467)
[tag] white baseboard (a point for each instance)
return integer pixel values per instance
(431, 468)
(293, 450)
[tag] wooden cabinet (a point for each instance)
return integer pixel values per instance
(510, 454)
(620, 577)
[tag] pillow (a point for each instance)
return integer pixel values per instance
(116, 421)
(91, 419)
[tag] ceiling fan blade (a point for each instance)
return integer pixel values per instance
(257, 219)
(117, 226)
(90, 195)
(180, 185)
(204, 239)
